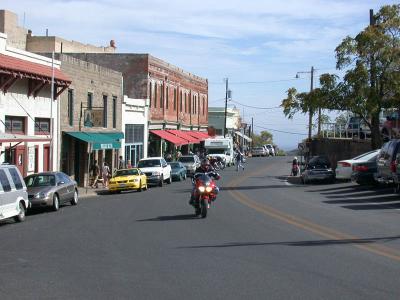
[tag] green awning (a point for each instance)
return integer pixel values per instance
(99, 140)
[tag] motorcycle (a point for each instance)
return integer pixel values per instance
(205, 192)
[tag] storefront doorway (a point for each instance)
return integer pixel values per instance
(134, 153)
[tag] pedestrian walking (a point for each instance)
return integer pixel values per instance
(95, 174)
(239, 160)
(106, 174)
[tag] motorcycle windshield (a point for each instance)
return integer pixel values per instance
(204, 178)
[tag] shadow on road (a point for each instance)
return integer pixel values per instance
(345, 200)
(300, 243)
(170, 218)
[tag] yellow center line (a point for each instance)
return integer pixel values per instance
(305, 224)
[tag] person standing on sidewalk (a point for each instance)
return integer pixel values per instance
(105, 173)
(239, 159)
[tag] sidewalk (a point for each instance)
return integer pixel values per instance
(90, 192)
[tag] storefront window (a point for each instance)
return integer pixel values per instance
(15, 124)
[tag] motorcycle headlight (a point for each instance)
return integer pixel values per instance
(201, 189)
(208, 189)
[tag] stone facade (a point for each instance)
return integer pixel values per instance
(40, 44)
(23, 39)
(76, 155)
(16, 35)
(178, 99)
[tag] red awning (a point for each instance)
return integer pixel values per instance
(26, 69)
(169, 137)
(185, 135)
(199, 135)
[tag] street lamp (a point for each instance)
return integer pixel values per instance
(310, 111)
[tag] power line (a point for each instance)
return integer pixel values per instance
(258, 82)
(281, 131)
(257, 107)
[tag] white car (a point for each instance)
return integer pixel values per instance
(344, 168)
(13, 195)
(270, 149)
(156, 169)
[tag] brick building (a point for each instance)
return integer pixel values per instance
(178, 100)
(90, 117)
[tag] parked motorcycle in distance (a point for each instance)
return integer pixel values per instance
(206, 192)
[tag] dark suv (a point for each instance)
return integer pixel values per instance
(386, 162)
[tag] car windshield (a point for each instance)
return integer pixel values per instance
(367, 156)
(319, 162)
(40, 180)
(185, 159)
(216, 151)
(148, 163)
(127, 172)
(174, 165)
(364, 155)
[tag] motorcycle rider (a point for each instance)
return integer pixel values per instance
(205, 167)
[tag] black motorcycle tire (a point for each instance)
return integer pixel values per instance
(203, 208)
(197, 211)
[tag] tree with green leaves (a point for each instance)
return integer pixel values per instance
(263, 138)
(372, 78)
(372, 63)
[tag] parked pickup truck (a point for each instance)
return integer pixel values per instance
(156, 169)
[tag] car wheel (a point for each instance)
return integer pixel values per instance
(160, 184)
(75, 199)
(22, 213)
(169, 181)
(140, 186)
(56, 203)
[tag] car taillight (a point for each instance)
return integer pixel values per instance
(345, 164)
(393, 166)
(360, 168)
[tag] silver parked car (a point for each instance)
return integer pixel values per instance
(51, 189)
(190, 162)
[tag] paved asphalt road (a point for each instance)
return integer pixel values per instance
(263, 239)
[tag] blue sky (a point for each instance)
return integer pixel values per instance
(258, 45)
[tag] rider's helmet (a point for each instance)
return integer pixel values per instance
(205, 163)
(295, 158)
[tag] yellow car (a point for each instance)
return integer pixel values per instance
(127, 179)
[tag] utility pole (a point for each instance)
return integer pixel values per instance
(226, 104)
(310, 110)
(252, 133)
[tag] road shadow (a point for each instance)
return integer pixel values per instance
(300, 243)
(375, 206)
(170, 218)
(362, 194)
(389, 198)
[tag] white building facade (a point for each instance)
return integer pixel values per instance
(29, 131)
(135, 120)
